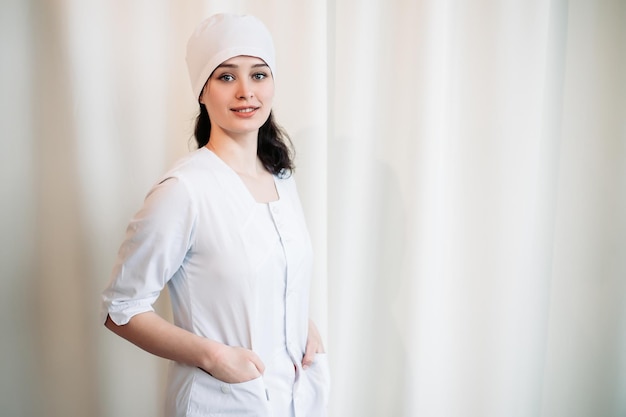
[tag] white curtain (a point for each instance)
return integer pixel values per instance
(462, 165)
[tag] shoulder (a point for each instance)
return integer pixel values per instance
(288, 182)
(287, 188)
(198, 161)
(288, 179)
(197, 168)
(179, 181)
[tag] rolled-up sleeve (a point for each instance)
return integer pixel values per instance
(157, 241)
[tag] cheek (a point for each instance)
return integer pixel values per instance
(267, 95)
(214, 102)
(267, 90)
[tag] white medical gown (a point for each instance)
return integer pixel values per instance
(238, 272)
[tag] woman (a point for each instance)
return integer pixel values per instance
(224, 230)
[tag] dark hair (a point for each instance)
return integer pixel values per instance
(274, 147)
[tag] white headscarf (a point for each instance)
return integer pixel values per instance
(224, 36)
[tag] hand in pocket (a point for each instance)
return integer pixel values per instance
(236, 364)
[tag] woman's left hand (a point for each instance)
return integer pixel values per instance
(313, 345)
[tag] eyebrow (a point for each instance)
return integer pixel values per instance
(259, 65)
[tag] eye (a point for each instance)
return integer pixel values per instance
(259, 76)
(226, 77)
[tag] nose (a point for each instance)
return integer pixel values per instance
(244, 89)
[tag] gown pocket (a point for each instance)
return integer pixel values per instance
(311, 398)
(212, 397)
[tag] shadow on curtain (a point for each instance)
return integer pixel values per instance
(462, 168)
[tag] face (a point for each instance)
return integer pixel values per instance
(238, 96)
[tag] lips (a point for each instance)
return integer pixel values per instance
(244, 109)
(245, 112)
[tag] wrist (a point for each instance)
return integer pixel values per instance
(210, 354)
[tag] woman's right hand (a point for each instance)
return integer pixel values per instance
(235, 364)
(158, 336)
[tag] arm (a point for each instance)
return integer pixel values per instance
(314, 345)
(156, 335)
(157, 240)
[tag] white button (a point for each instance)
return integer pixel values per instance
(225, 389)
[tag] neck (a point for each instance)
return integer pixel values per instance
(239, 153)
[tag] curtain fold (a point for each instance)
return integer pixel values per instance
(462, 168)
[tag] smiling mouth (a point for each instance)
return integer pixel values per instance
(246, 110)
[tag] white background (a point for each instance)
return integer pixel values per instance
(463, 170)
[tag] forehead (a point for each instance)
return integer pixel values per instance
(243, 60)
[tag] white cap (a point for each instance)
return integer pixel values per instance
(224, 36)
